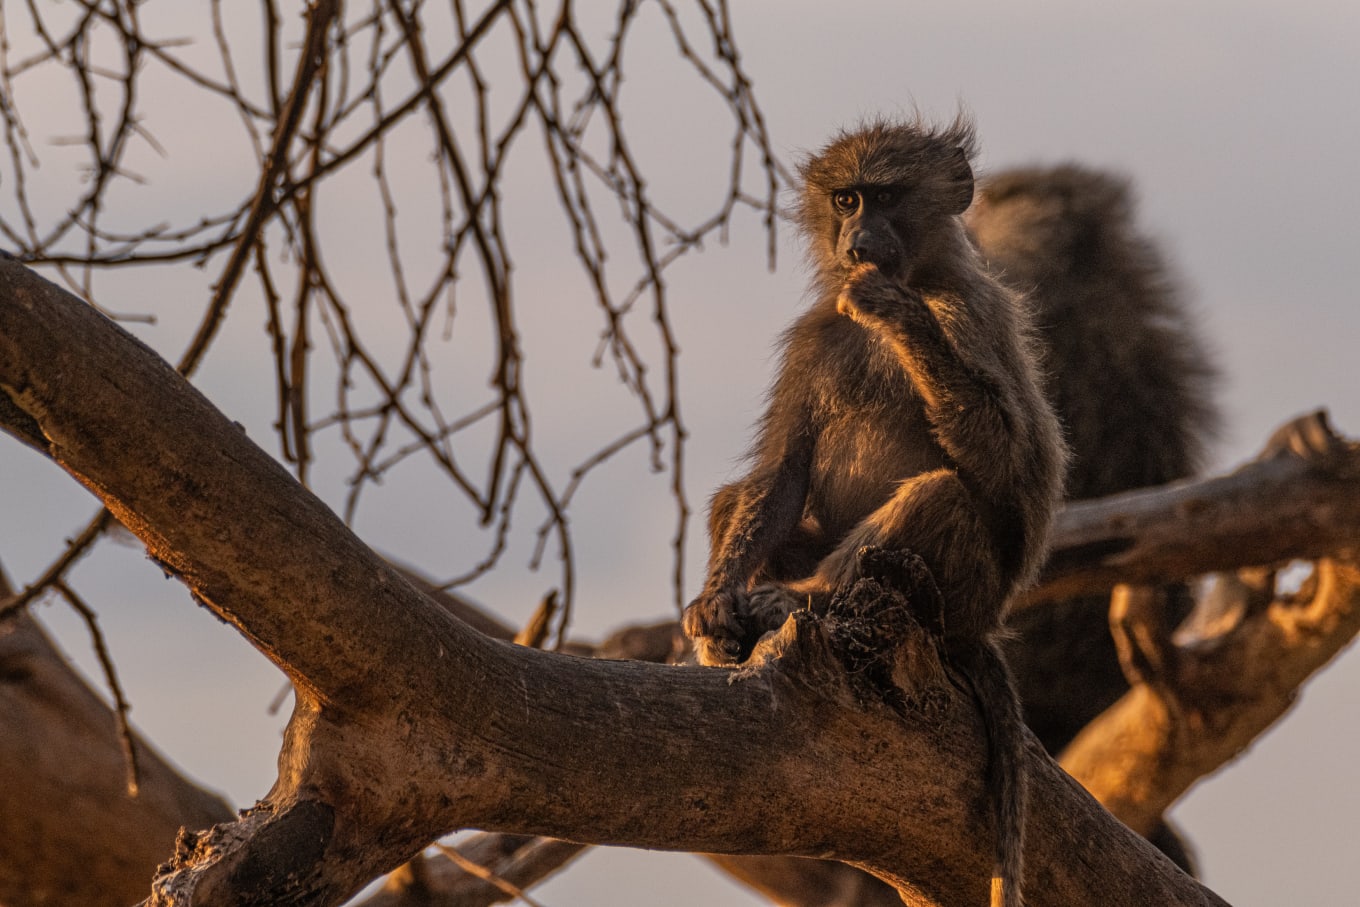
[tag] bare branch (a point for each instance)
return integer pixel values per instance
(311, 60)
(1287, 506)
(1205, 705)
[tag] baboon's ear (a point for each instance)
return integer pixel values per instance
(958, 182)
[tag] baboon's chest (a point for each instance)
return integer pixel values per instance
(874, 434)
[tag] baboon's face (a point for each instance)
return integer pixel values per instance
(871, 226)
(874, 196)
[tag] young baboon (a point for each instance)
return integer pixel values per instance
(906, 414)
(1131, 381)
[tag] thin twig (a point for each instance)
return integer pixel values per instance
(75, 550)
(120, 703)
(486, 875)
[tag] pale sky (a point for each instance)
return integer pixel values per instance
(1239, 124)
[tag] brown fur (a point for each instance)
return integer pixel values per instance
(1132, 383)
(1130, 377)
(906, 414)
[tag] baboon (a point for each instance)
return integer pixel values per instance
(1127, 372)
(906, 414)
(1132, 382)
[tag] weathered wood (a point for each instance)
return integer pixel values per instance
(1294, 504)
(1211, 694)
(472, 732)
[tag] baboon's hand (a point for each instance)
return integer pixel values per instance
(868, 294)
(714, 624)
(769, 605)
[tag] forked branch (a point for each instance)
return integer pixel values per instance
(792, 759)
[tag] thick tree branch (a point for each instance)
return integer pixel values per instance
(470, 731)
(1211, 695)
(1135, 759)
(1269, 511)
(77, 836)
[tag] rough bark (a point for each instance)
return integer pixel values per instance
(1238, 666)
(74, 836)
(1306, 482)
(1064, 654)
(1199, 701)
(472, 732)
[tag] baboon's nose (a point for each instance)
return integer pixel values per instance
(861, 248)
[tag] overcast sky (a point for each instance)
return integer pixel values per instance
(1239, 124)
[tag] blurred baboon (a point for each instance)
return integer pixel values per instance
(1132, 383)
(1130, 377)
(906, 414)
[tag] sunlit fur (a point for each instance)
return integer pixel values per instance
(906, 414)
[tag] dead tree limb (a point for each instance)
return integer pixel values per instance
(1135, 758)
(473, 732)
(1272, 510)
(1209, 696)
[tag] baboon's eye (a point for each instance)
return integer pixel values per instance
(885, 197)
(845, 201)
